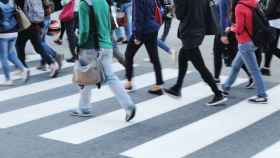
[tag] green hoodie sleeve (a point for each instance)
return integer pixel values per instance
(83, 23)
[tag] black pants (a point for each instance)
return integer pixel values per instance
(272, 51)
(150, 43)
(194, 55)
(72, 38)
(167, 24)
(34, 35)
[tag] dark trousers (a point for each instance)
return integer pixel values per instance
(150, 43)
(194, 55)
(167, 24)
(72, 38)
(34, 35)
(272, 51)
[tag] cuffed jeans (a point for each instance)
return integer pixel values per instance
(8, 53)
(111, 79)
(246, 54)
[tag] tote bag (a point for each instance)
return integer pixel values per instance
(67, 12)
(23, 21)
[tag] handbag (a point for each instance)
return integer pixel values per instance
(122, 19)
(89, 74)
(212, 20)
(67, 13)
(23, 21)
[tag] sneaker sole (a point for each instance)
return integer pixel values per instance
(257, 102)
(217, 103)
(79, 115)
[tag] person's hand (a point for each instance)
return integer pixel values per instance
(228, 29)
(137, 42)
(224, 40)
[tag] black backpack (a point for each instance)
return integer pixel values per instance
(263, 33)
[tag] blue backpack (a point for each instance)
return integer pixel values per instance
(8, 20)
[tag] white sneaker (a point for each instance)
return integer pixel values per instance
(25, 75)
(54, 70)
(7, 83)
(17, 72)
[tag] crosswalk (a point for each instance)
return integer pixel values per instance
(177, 142)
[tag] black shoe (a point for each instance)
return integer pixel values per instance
(218, 99)
(72, 60)
(173, 91)
(225, 93)
(130, 114)
(251, 84)
(156, 92)
(258, 100)
(266, 71)
(125, 42)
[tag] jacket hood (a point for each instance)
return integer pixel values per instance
(251, 3)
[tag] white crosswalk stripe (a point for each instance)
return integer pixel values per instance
(10, 119)
(202, 133)
(271, 152)
(96, 127)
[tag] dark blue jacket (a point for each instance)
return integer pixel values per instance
(143, 18)
(224, 9)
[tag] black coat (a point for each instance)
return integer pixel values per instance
(192, 28)
(273, 9)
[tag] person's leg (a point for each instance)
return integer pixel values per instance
(12, 55)
(21, 41)
(62, 30)
(236, 65)
(198, 62)
(218, 64)
(130, 52)
(4, 58)
(72, 39)
(116, 51)
(167, 26)
(250, 60)
(113, 81)
(151, 46)
(183, 67)
(258, 53)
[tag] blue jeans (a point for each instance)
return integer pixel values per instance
(246, 54)
(163, 46)
(45, 29)
(111, 79)
(127, 8)
(7, 52)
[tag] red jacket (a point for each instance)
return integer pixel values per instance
(244, 21)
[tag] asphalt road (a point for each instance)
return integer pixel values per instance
(35, 120)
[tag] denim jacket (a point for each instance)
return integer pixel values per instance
(34, 10)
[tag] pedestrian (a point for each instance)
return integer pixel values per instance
(145, 31)
(34, 11)
(93, 44)
(7, 42)
(243, 20)
(192, 30)
(70, 27)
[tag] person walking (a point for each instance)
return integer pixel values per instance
(243, 20)
(34, 11)
(95, 42)
(7, 43)
(145, 31)
(192, 30)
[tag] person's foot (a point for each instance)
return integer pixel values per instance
(25, 75)
(58, 42)
(54, 70)
(156, 90)
(129, 86)
(59, 59)
(71, 60)
(258, 100)
(225, 93)
(266, 71)
(174, 91)
(81, 113)
(217, 100)
(7, 83)
(250, 84)
(130, 114)
(42, 67)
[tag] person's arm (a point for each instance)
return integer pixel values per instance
(139, 18)
(83, 23)
(180, 8)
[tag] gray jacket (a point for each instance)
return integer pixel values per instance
(34, 10)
